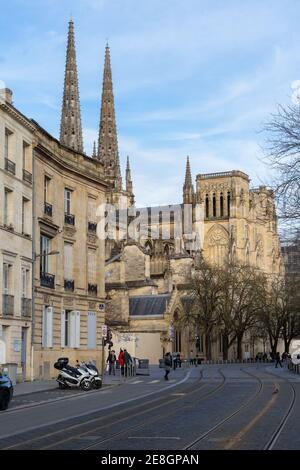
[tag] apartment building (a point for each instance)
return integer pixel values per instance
(16, 150)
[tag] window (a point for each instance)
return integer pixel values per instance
(70, 328)
(47, 327)
(221, 205)
(45, 249)
(25, 282)
(68, 260)
(91, 209)
(228, 203)
(6, 278)
(91, 266)
(92, 331)
(7, 144)
(67, 201)
(214, 206)
(8, 207)
(26, 157)
(46, 188)
(207, 206)
(26, 216)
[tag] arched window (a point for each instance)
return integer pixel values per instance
(166, 250)
(207, 206)
(228, 203)
(221, 205)
(214, 206)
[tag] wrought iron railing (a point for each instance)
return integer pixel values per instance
(48, 209)
(92, 227)
(25, 307)
(69, 285)
(10, 166)
(92, 289)
(27, 176)
(69, 219)
(47, 280)
(8, 304)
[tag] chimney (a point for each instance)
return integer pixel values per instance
(6, 95)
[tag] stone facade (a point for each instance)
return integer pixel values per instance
(69, 280)
(16, 146)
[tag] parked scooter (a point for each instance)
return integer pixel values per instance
(92, 370)
(72, 377)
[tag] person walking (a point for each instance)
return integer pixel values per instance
(127, 362)
(167, 365)
(121, 360)
(111, 360)
(278, 361)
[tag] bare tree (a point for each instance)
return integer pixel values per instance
(291, 310)
(283, 153)
(204, 292)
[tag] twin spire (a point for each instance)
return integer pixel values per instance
(70, 126)
(71, 131)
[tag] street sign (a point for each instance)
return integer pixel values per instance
(102, 307)
(104, 330)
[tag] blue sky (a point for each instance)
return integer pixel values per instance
(191, 77)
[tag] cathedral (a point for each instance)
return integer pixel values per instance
(129, 273)
(145, 276)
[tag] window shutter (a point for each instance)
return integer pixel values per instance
(62, 329)
(44, 328)
(77, 329)
(72, 328)
(49, 322)
(68, 259)
(92, 333)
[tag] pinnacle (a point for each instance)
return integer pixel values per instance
(70, 128)
(188, 176)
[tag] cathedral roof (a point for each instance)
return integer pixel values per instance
(148, 305)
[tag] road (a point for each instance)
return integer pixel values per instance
(234, 406)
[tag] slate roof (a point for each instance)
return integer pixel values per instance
(145, 305)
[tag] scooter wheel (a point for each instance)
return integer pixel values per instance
(98, 384)
(86, 385)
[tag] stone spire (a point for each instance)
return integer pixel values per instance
(129, 188)
(70, 126)
(188, 189)
(94, 150)
(108, 152)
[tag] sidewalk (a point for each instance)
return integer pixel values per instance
(283, 372)
(25, 388)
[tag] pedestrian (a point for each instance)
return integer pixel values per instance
(111, 361)
(121, 360)
(127, 361)
(167, 364)
(278, 361)
(174, 361)
(178, 360)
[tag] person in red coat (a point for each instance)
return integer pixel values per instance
(121, 360)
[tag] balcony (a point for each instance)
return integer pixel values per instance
(48, 280)
(48, 209)
(92, 227)
(69, 285)
(69, 219)
(27, 176)
(10, 166)
(92, 289)
(8, 305)
(26, 307)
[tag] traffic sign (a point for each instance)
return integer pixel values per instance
(104, 330)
